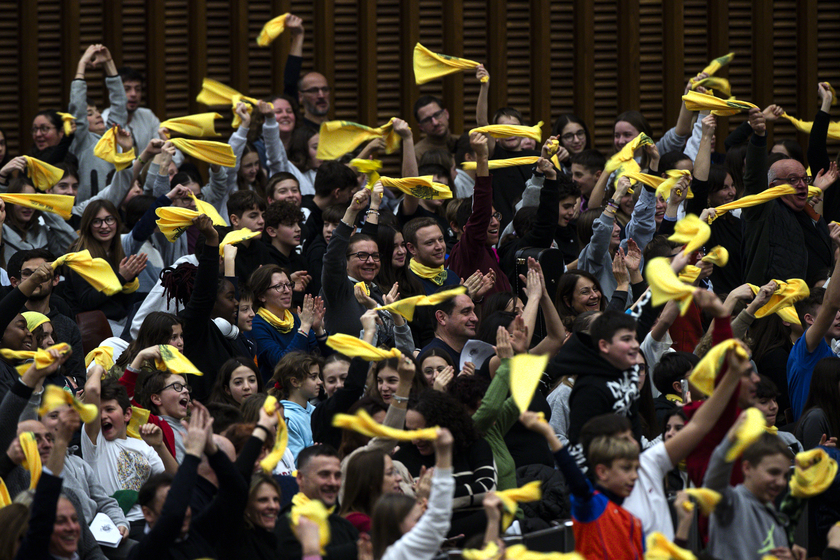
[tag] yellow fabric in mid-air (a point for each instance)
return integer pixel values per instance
(692, 232)
(718, 256)
(419, 187)
(43, 175)
(31, 458)
(526, 370)
(405, 307)
(280, 442)
(173, 221)
(665, 285)
(760, 198)
(813, 474)
(511, 131)
(805, 126)
(42, 357)
(626, 153)
(704, 373)
(237, 236)
(102, 355)
(174, 361)
(95, 271)
(67, 119)
(315, 511)
(696, 101)
(714, 83)
(54, 397)
(271, 30)
(530, 492)
(201, 125)
(660, 548)
(706, 498)
(139, 417)
(429, 66)
(217, 153)
(54, 203)
(353, 347)
(106, 149)
(674, 176)
(217, 93)
(362, 423)
(337, 138)
(369, 167)
(786, 294)
(747, 433)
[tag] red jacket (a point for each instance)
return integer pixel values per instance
(129, 381)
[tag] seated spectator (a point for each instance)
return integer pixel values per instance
(297, 380)
(238, 379)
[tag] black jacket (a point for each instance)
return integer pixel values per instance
(554, 504)
(341, 401)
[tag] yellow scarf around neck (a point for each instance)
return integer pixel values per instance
(436, 275)
(283, 325)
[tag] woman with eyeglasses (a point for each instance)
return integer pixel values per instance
(573, 136)
(276, 329)
(49, 144)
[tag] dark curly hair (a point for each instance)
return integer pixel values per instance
(469, 390)
(283, 212)
(443, 410)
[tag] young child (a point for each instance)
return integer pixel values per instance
(745, 524)
(297, 378)
(245, 317)
(603, 529)
(167, 396)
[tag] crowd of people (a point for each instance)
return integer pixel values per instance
(304, 290)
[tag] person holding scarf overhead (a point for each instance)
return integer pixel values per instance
(276, 330)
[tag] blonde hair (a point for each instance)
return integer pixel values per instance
(605, 449)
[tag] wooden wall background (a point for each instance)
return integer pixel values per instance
(592, 57)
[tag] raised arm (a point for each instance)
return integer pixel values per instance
(831, 301)
(291, 73)
(93, 390)
(481, 105)
(409, 164)
(755, 165)
(703, 161)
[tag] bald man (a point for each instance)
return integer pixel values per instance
(314, 97)
(776, 232)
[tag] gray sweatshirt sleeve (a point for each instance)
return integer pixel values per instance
(114, 193)
(670, 141)
(717, 478)
(403, 339)
(61, 234)
(590, 258)
(118, 113)
(237, 143)
(216, 190)
(274, 151)
(642, 225)
(104, 503)
(78, 108)
(160, 185)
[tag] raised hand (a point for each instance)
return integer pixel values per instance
(481, 72)
(825, 179)
(402, 129)
(124, 139)
(131, 266)
(151, 434)
(772, 113)
(545, 167)
(444, 378)
(301, 279)
(757, 121)
(504, 349)
(242, 110)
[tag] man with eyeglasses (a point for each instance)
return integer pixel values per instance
(776, 232)
(314, 97)
(433, 120)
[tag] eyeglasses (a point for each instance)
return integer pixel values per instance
(793, 179)
(362, 256)
(316, 90)
(282, 286)
(497, 215)
(435, 116)
(43, 129)
(108, 221)
(572, 135)
(178, 387)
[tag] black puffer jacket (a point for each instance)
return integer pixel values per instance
(554, 505)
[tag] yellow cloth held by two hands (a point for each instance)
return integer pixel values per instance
(43, 175)
(666, 286)
(95, 271)
(280, 442)
(436, 275)
(626, 153)
(658, 547)
(747, 433)
(34, 320)
(67, 119)
(237, 236)
(714, 83)
(54, 397)
(502, 163)
(704, 373)
(139, 417)
(526, 370)
(173, 361)
(217, 93)
(696, 101)
(369, 167)
(674, 176)
(106, 149)
(315, 511)
(271, 30)
(283, 325)
(531, 492)
(429, 66)
(337, 138)
(217, 153)
(782, 300)
(54, 203)
(102, 355)
(173, 221)
(707, 499)
(511, 131)
(42, 357)
(362, 423)
(760, 198)
(200, 125)
(419, 187)
(406, 307)
(353, 347)
(31, 458)
(813, 474)
(692, 232)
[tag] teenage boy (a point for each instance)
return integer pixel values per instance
(283, 230)
(245, 210)
(587, 167)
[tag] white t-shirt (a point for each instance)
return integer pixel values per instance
(122, 464)
(648, 501)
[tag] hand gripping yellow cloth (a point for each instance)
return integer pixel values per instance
(237, 236)
(283, 325)
(102, 355)
(200, 125)
(660, 548)
(531, 492)
(511, 131)
(405, 307)
(760, 198)
(689, 274)
(674, 176)
(315, 511)
(271, 30)
(649, 180)
(139, 417)
(665, 286)
(42, 357)
(353, 347)
(786, 294)
(216, 93)
(34, 319)
(714, 83)
(54, 397)
(106, 149)
(419, 187)
(54, 203)
(696, 101)
(626, 153)
(174, 221)
(340, 137)
(747, 433)
(43, 175)
(502, 163)
(429, 66)
(805, 126)
(814, 473)
(436, 275)
(704, 373)
(207, 150)
(526, 370)
(5, 498)
(362, 286)
(209, 210)
(95, 271)
(362, 423)
(519, 552)
(369, 167)
(707, 499)
(31, 458)
(280, 442)
(718, 256)
(171, 359)
(68, 121)
(692, 232)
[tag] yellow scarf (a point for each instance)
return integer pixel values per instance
(31, 458)
(283, 325)
(95, 271)
(173, 221)
(42, 357)
(200, 125)
(718, 63)
(54, 397)
(315, 511)
(531, 492)
(429, 66)
(217, 153)
(692, 232)
(362, 423)
(747, 433)
(172, 360)
(406, 307)
(489, 552)
(280, 442)
(707, 499)
(665, 285)
(674, 176)
(237, 236)
(369, 167)
(5, 498)
(626, 153)
(760, 198)
(660, 548)
(689, 274)
(68, 121)
(718, 256)
(813, 474)
(53, 203)
(436, 275)
(786, 294)
(526, 370)
(43, 175)
(139, 417)
(216, 93)
(696, 101)
(501, 163)
(704, 373)
(519, 552)
(208, 210)
(805, 126)
(511, 131)
(340, 137)
(714, 83)
(102, 355)
(419, 187)
(271, 30)
(106, 149)
(353, 347)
